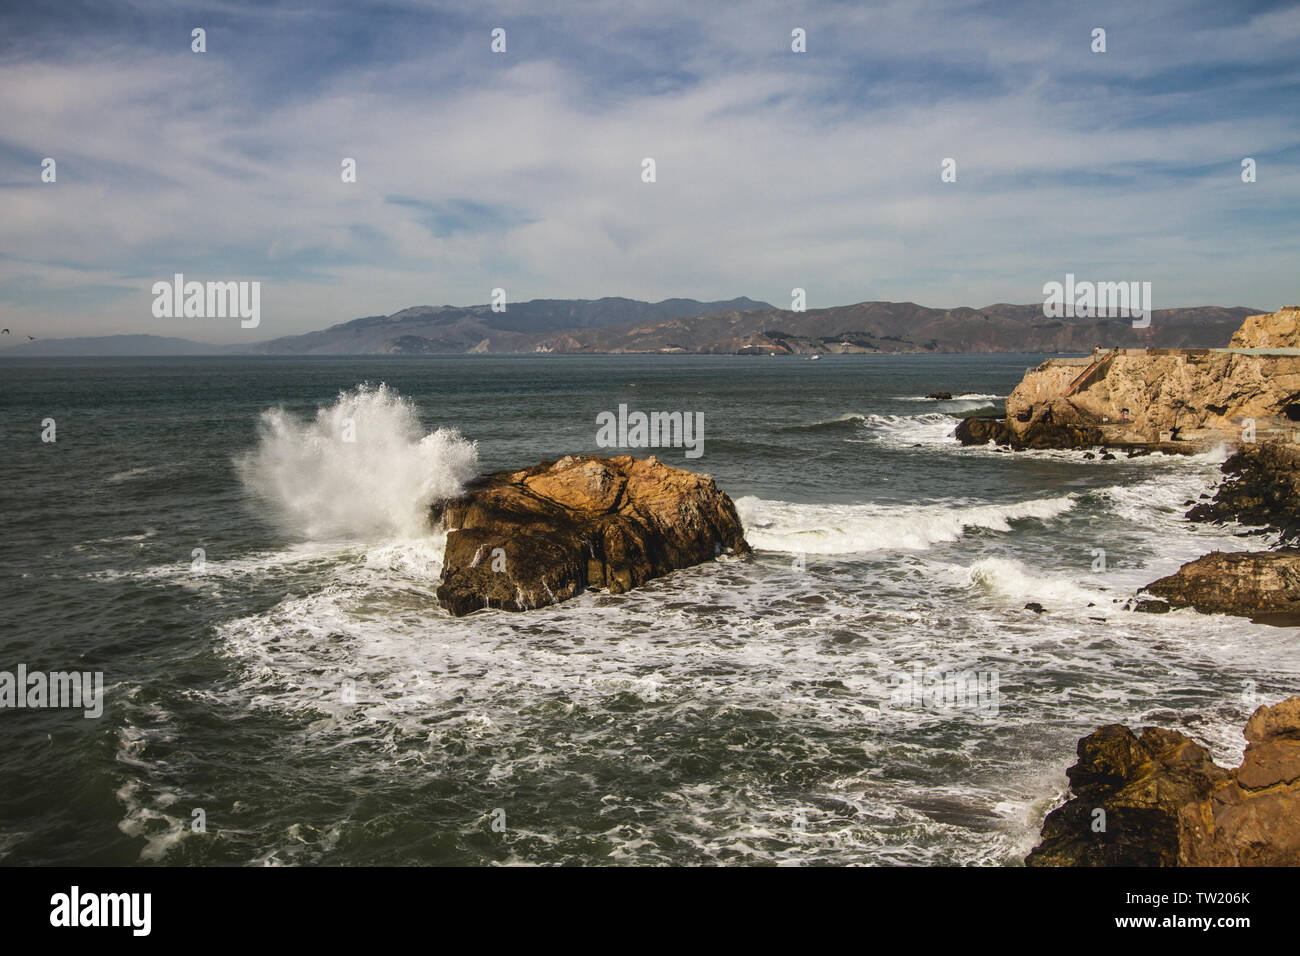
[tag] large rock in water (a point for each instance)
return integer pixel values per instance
(525, 539)
(1245, 583)
(1167, 804)
(980, 430)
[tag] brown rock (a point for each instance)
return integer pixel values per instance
(1280, 330)
(1163, 397)
(525, 539)
(1262, 489)
(1281, 720)
(981, 431)
(1245, 583)
(1167, 804)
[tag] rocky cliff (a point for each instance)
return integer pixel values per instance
(1281, 330)
(1159, 800)
(525, 539)
(1160, 398)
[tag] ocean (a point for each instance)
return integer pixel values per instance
(282, 689)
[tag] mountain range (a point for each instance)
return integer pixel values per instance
(736, 326)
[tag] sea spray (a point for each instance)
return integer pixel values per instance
(363, 468)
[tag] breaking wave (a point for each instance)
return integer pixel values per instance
(853, 529)
(363, 468)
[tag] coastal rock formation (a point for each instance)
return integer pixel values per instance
(1262, 490)
(1164, 398)
(525, 539)
(1164, 802)
(980, 430)
(1246, 583)
(1281, 330)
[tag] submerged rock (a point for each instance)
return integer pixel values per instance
(525, 539)
(940, 396)
(1245, 583)
(1159, 800)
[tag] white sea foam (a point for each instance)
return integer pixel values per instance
(932, 428)
(130, 474)
(1010, 580)
(853, 529)
(963, 397)
(375, 487)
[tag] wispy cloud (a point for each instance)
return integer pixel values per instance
(522, 170)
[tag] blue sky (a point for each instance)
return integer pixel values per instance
(522, 170)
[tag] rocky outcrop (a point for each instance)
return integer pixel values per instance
(1280, 330)
(1165, 397)
(1134, 398)
(1159, 800)
(525, 539)
(1246, 583)
(980, 430)
(1262, 490)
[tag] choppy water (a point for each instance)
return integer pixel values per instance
(304, 691)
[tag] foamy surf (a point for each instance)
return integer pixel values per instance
(963, 397)
(1010, 580)
(855, 529)
(904, 431)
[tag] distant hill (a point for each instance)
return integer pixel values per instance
(894, 327)
(447, 328)
(737, 326)
(109, 345)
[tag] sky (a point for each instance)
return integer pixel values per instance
(522, 170)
